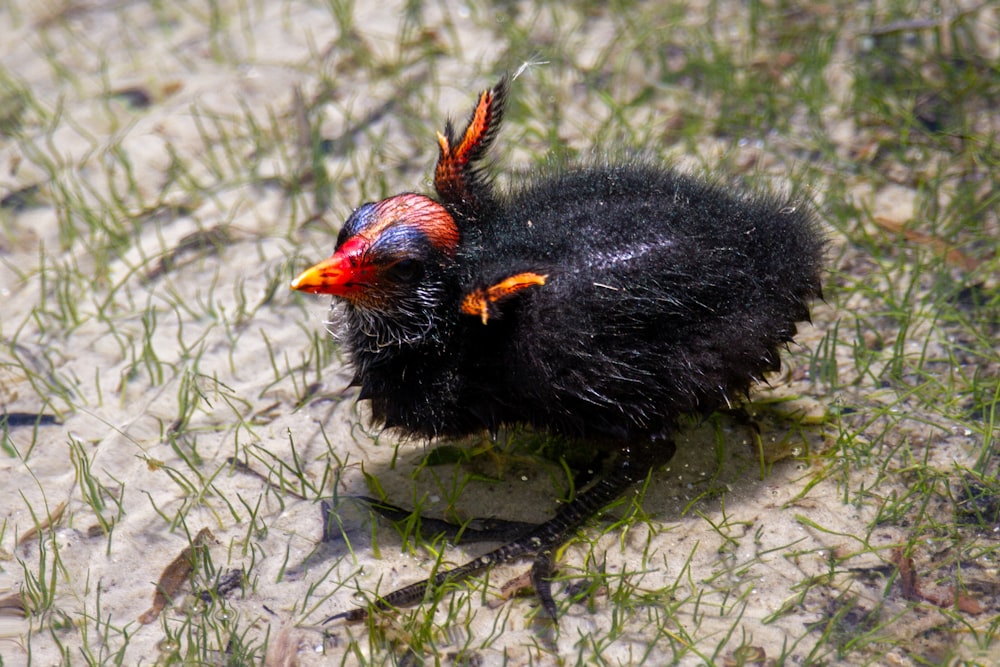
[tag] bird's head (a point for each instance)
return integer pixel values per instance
(391, 265)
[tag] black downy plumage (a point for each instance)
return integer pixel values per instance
(600, 302)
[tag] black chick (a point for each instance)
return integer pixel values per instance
(599, 302)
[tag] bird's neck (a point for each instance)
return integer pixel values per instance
(413, 323)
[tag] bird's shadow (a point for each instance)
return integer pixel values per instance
(472, 491)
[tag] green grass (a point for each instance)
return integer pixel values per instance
(166, 169)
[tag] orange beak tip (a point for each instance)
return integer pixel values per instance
(306, 281)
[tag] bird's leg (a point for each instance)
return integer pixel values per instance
(477, 530)
(633, 464)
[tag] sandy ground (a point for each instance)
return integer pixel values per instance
(160, 371)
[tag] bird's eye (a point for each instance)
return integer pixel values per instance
(405, 271)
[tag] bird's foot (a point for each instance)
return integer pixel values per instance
(541, 541)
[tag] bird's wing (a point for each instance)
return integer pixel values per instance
(484, 300)
(458, 178)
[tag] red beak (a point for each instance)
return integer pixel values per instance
(344, 273)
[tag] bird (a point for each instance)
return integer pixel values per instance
(602, 301)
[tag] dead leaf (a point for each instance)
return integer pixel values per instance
(52, 519)
(174, 576)
(283, 651)
(13, 605)
(912, 590)
(512, 588)
(938, 245)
